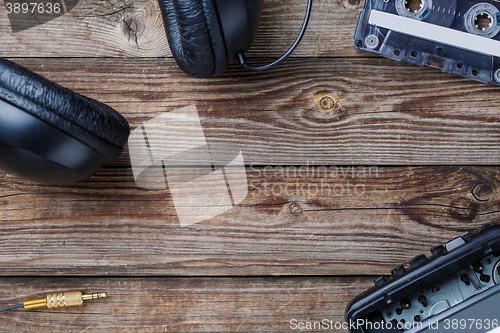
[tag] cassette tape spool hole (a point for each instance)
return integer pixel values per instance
(414, 6)
(415, 9)
(482, 20)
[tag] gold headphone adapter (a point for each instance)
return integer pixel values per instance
(57, 300)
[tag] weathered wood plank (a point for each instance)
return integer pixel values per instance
(182, 305)
(122, 28)
(383, 112)
(301, 221)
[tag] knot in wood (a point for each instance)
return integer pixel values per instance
(295, 209)
(482, 191)
(327, 103)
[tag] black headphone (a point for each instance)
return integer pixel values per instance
(205, 35)
(50, 134)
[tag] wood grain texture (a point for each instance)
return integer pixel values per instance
(379, 116)
(300, 221)
(126, 28)
(182, 305)
(318, 222)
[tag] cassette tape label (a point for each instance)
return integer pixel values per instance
(457, 36)
(435, 33)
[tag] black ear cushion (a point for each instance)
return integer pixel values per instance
(195, 36)
(86, 120)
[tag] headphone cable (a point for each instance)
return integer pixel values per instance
(12, 307)
(243, 61)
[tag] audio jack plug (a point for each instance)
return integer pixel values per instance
(57, 300)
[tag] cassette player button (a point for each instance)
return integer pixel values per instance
(418, 260)
(379, 282)
(398, 271)
(454, 244)
(437, 250)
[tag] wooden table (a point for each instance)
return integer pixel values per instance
(429, 139)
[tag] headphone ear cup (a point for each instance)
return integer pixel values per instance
(34, 107)
(195, 36)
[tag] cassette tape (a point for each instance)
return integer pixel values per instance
(459, 37)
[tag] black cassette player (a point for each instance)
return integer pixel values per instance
(455, 290)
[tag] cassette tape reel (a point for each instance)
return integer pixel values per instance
(461, 37)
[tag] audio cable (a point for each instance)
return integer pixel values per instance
(57, 300)
(243, 61)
